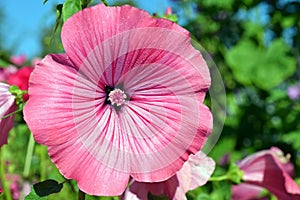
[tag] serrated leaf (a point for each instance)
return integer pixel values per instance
(47, 187)
(70, 7)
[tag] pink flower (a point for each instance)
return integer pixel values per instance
(7, 106)
(18, 60)
(266, 169)
(194, 173)
(124, 101)
(168, 11)
(294, 92)
(5, 73)
(15, 187)
(21, 78)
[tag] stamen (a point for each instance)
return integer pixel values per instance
(117, 97)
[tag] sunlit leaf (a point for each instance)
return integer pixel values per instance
(70, 7)
(33, 196)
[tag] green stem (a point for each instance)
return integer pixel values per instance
(29, 154)
(81, 195)
(219, 178)
(5, 184)
(10, 114)
(43, 164)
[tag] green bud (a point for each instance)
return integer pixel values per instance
(235, 174)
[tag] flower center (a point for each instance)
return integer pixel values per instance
(117, 97)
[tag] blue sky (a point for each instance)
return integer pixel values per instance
(24, 21)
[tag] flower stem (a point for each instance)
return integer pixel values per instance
(5, 185)
(10, 114)
(29, 154)
(81, 195)
(43, 163)
(219, 178)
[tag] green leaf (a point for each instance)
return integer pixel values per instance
(70, 7)
(264, 67)
(105, 2)
(172, 17)
(221, 191)
(222, 4)
(33, 196)
(45, 1)
(3, 63)
(47, 187)
(292, 138)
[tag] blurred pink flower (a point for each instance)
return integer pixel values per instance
(5, 73)
(7, 106)
(21, 78)
(14, 186)
(18, 60)
(125, 100)
(294, 92)
(266, 169)
(168, 11)
(194, 173)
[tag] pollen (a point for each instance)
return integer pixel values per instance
(117, 97)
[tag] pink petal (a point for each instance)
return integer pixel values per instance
(187, 178)
(202, 169)
(103, 23)
(278, 182)
(92, 175)
(7, 106)
(268, 165)
(245, 191)
(48, 113)
(18, 60)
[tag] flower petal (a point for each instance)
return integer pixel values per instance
(187, 178)
(92, 176)
(48, 112)
(268, 166)
(7, 106)
(245, 191)
(202, 169)
(96, 24)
